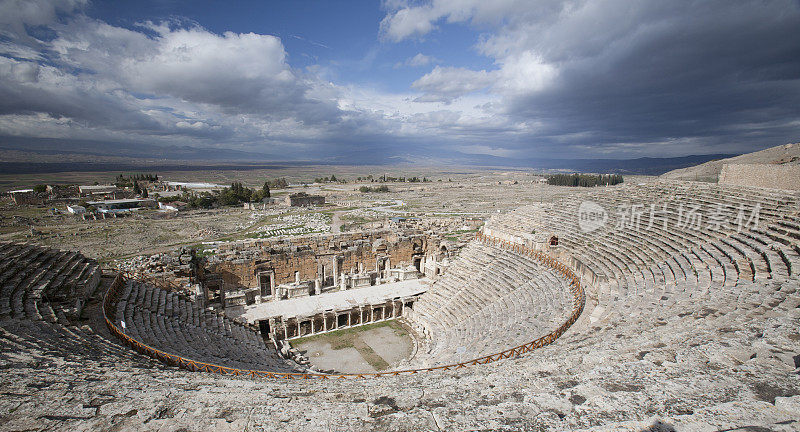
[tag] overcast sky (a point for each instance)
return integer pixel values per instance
(318, 79)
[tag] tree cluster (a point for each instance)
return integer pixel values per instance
(331, 179)
(202, 200)
(381, 188)
(280, 183)
(236, 194)
(387, 179)
(121, 181)
(584, 180)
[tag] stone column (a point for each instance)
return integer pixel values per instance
(317, 286)
(285, 329)
(272, 284)
(297, 277)
(312, 324)
(324, 322)
(335, 270)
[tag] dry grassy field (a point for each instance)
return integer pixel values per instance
(452, 194)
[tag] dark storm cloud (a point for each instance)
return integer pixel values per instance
(729, 72)
(616, 78)
(621, 75)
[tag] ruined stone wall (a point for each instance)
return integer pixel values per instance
(761, 175)
(63, 191)
(238, 264)
(297, 200)
(29, 198)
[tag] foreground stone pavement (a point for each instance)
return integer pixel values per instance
(692, 383)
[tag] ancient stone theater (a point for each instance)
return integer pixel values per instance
(666, 305)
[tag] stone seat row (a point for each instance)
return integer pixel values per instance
(481, 307)
(512, 320)
(40, 290)
(165, 321)
(41, 283)
(687, 319)
(641, 260)
(631, 247)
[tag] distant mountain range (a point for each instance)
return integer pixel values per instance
(638, 166)
(30, 156)
(54, 146)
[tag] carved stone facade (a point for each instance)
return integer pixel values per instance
(266, 270)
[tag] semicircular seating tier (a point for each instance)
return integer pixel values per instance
(170, 323)
(43, 293)
(490, 300)
(674, 257)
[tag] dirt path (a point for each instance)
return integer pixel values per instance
(336, 222)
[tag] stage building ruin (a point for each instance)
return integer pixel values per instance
(242, 276)
(331, 311)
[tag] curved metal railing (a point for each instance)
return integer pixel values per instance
(111, 298)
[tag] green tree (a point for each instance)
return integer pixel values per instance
(584, 180)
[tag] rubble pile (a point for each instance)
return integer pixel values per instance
(296, 224)
(174, 268)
